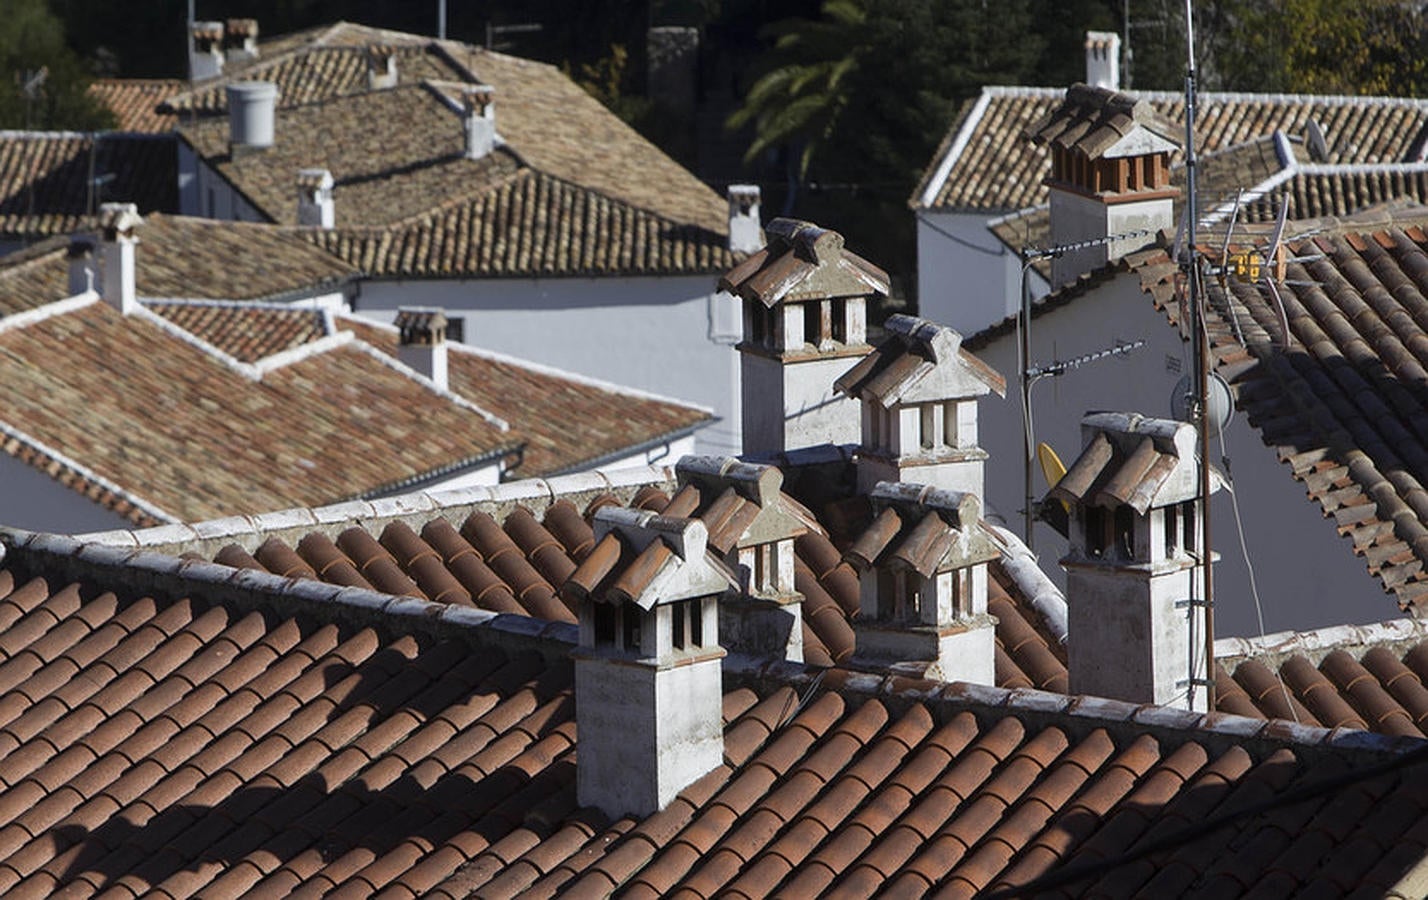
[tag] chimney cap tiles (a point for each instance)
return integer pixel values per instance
(118, 220)
(919, 361)
(1100, 123)
(646, 559)
(1131, 460)
(800, 262)
(420, 325)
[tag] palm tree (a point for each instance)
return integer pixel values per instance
(799, 101)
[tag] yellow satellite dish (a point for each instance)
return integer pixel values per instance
(1051, 465)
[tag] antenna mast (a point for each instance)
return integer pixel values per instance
(1201, 356)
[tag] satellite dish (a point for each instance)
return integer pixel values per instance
(1318, 144)
(1221, 402)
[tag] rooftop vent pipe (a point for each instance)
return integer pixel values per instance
(251, 106)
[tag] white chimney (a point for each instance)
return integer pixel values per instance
(648, 679)
(1103, 59)
(746, 234)
(381, 67)
(240, 40)
(805, 302)
(480, 120)
(1133, 626)
(315, 205)
(922, 577)
(251, 106)
(83, 267)
(117, 222)
(205, 50)
(422, 341)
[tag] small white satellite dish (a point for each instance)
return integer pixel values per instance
(1221, 402)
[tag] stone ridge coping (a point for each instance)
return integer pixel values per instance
(415, 509)
(1395, 635)
(156, 573)
(1078, 714)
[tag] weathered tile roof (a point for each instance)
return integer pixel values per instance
(189, 258)
(247, 332)
(45, 178)
(1339, 401)
(530, 225)
(132, 403)
(565, 421)
(802, 260)
(985, 164)
(185, 728)
(135, 102)
(397, 154)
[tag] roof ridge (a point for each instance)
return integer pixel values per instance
(541, 368)
(49, 310)
(274, 361)
(83, 471)
(1320, 641)
(396, 364)
(525, 491)
(246, 370)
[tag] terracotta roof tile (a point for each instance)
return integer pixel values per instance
(135, 101)
(985, 163)
(44, 178)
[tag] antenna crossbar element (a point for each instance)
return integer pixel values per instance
(1059, 367)
(1059, 249)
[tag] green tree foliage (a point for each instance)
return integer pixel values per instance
(32, 41)
(1317, 46)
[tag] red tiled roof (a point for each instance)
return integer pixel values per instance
(247, 333)
(45, 186)
(398, 153)
(271, 740)
(142, 409)
(986, 164)
(565, 421)
(1337, 403)
(530, 225)
(135, 102)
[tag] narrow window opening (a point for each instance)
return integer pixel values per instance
(1187, 519)
(928, 430)
(811, 321)
(1171, 530)
(1095, 532)
(839, 325)
(1125, 532)
(677, 615)
(696, 623)
(630, 620)
(604, 624)
(949, 423)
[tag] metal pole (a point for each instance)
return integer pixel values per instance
(1201, 342)
(441, 19)
(1029, 518)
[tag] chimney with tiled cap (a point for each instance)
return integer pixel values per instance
(805, 321)
(205, 50)
(315, 205)
(746, 233)
(1103, 59)
(422, 341)
(83, 265)
(252, 107)
(1110, 177)
(1133, 628)
(752, 530)
(648, 679)
(479, 119)
(240, 40)
(117, 223)
(922, 575)
(919, 392)
(381, 67)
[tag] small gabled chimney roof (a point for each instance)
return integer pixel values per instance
(802, 260)
(1103, 59)
(422, 341)
(315, 203)
(1100, 123)
(240, 40)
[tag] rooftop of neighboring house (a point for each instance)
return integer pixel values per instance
(52, 182)
(985, 163)
(132, 410)
(1336, 400)
(397, 157)
(135, 102)
(235, 731)
(181, 257)
(1262, 173)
